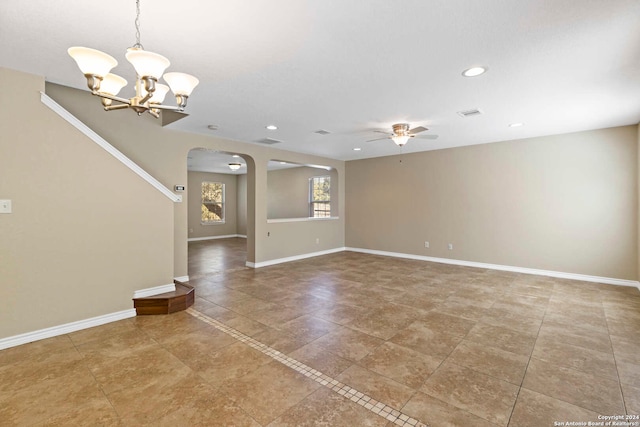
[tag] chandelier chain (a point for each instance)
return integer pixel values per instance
(137, 23)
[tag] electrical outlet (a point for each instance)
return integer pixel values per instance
(426, 244)
(450, 246)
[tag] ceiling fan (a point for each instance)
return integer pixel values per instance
(402, 133)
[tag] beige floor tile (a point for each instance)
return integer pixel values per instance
(281, 340)
(502, 338)
(484, 396)
(245, 325)
(114, 371)
(326, 408)
(629, 373)
(145, 403)
(349, 344)
(100, 333)
(420, 337)
(573, 335)
(385, 322)
(231, 362)
(631, 399)
(269, 391)
(377, 386)
(56, 397)
(491, 361)
(536, 410)
(626, 327)
(626, 348)
(574, 357)
(207, 410)
(308, 326)
(36, 350)
(460, 307)
(341, 313)
(317, 357)
(401, 364)
(453, 325)
(41, 366)
(526, 310)
(438, 413)
(588, 391)
(508, 319)
(584, 320)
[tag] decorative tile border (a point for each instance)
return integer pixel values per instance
(379, 408)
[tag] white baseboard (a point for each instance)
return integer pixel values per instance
(142, 293)
(227, 236)
(559, 274)
(182, 278)
(65, 329)
(292, 258)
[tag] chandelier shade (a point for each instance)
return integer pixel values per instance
(159, 94)
(181, 83)
(112, 84)
(147, 64)
(92, 61)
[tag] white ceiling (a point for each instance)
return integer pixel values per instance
(351, 66)
(203, 160)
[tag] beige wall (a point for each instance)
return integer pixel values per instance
(85, 231)
(163, 153)
(565, 203)
(194, 183)
(288, 192)
(638, 221)
(241, 211)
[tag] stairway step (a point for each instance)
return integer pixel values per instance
(169, 302)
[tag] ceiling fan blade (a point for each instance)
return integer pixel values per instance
(381, 131)
(427, 136)
(378, 139)
(417, 130)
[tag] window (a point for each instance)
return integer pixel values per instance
(212, 203)
(319, 197)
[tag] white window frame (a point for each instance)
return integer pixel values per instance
(223, 204)
(312, 202)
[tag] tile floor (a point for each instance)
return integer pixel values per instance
(408, 342)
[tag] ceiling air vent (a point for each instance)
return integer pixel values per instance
(469, 113)
(268, 141)
(322, 132)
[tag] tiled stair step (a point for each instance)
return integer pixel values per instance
(170, 302)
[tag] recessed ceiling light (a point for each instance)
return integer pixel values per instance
(212, 127)
(357, 149)
(283, 163)
(474, 71)
(272, 127)
(516, 125)
(235, 155)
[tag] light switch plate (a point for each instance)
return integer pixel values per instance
(5, 206)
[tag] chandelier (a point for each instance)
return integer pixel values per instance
(149, 66)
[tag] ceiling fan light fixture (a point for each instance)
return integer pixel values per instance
(474, 71)
(234, 166)
(400, 140)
